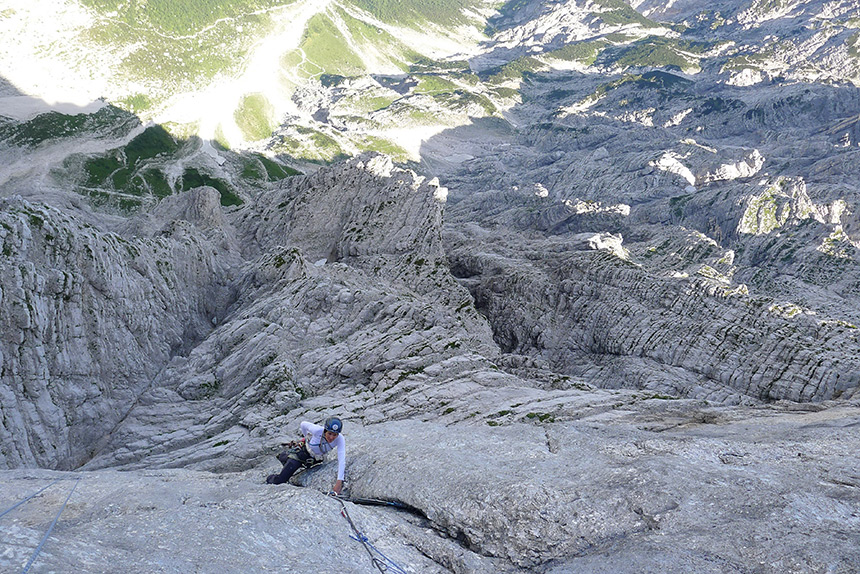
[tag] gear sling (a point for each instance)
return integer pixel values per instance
(295, 457)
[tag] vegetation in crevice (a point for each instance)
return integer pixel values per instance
(109, 121)
(619, 12)
(151, 166)
(582, 52)
(662, 52)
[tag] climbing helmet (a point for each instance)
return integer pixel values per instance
(333, 424)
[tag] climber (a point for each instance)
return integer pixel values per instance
(310, 450)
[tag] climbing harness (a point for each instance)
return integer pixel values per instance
(322, 445)
(297, 450)
(380, 565)
(50, 528)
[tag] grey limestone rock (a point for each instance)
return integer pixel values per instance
(89, 318)
(611, 328)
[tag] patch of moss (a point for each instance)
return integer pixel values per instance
(506, 93)
(463, 101)
(752, 61)
(292, 60)
(308, 144)
(719, 105)
(411, 12)
(153, 142)
(430, 84)
(763, 7)
(853, 44)
(519, 69)
(220, 141)
(677, 203)
(182, 131)
(542, 417)
(255, 117)
(176, 42)
(507, 13)
(382, 145)
(120, 178)
(157, 183)
(276, 171)
(107, 121)
(424, 65)
(324, 45)
(379, 41)
(178, 16)
(137, 103)
(663, 80)
(620, 13)
(662, 52)
(408, 373)
(582, 52)
(44, 127)
(192, 178)
(253, 170)
(99, 169)
(363, 103)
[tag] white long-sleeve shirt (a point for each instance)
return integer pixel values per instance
(319, 446)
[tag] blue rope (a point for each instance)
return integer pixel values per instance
(8, 510)
(359, 537)
(364, 540)
(48, 533)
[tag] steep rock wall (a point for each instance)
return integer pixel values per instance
(595, 315)
(345, 288)
(89, 318)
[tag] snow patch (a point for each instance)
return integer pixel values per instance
(670, 161)
(746, 77)
(748, 167)
(677, 118)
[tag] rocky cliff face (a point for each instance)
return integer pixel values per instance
(90, 318)
(631, 486)
(675, 220)
(667, 203)
(490, 425)
(610, 325)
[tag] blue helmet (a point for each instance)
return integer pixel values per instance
(333, 424)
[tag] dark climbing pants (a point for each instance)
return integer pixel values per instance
(302, 458)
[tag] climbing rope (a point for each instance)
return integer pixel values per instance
(380, 565)
(50, 528)
(35, 494)
(384, 568)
